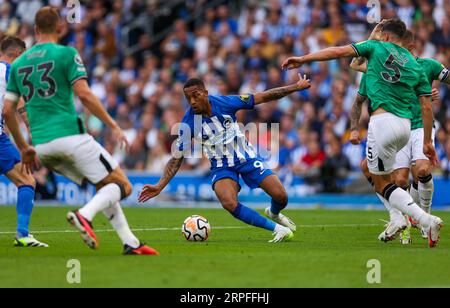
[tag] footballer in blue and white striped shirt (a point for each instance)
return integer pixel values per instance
(211, 121)
(10, 158)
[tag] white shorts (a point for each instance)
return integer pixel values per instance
(387, 135)
(78, 158)
(413, 151)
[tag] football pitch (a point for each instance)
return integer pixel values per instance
(331, 249)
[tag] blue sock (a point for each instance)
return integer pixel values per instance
(276, 207)
(25, 203)
(253, 218)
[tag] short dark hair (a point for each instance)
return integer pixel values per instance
(47, 20)
(194, 82)
(395, 26)
(408, 38)
(10, 43)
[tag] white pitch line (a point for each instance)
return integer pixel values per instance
(177, 229)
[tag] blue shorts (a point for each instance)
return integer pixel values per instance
(9, 155)
(253, 172)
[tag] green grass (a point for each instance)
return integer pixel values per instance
(331, 249)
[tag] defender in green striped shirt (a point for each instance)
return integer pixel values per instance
(394, 79)
(47, 76)
(411, 157)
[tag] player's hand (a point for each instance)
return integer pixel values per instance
(120, 137)
(435, 94)
(375, 35)
(291, 63)
(355, 137)
(304, 83)
(149, 192)
(28, 159)
(430, 152)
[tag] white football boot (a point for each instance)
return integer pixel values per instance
(393, 229)
(281, 219)
(284, 234)
(29, 241)
(434, 230)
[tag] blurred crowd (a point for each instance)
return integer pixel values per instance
(139, 54)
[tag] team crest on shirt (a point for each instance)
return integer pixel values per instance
(245, 98)
(78, 60)
(227, 123)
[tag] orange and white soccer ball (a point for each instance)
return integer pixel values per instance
(196, 228)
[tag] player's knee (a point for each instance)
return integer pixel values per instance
(401, 182)
(281, 197)
(423, 171)
(230, 204)
(126, 188)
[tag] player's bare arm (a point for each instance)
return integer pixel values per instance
(171, 169)
(323, 55)
(428, 118)
(93, 104)
(277, 93)
(22, 111)
(355, 116)
(28, 152)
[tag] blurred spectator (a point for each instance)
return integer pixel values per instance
(446, 161)
(46, 187)
(335, 168)
(139, 54)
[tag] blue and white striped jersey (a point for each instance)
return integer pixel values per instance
(4, 76)
(222, 140)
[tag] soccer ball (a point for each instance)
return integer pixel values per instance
(196, 228)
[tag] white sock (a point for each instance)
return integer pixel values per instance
(119, 222)
(394, 214)
(414, 194)
(426, 191)
(105, 197)
(402, 201)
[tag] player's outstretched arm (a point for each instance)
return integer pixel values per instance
(28, 153)
(171, 169)
(93, 104)
(277, 93)
(428, 119)
(355, 116)
(323, 55)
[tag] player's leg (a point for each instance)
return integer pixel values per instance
(112, 186)
(116, 216)
(275, 189)
(394, 214)
(26, 185)
(387, 135)
(227, 190)
(423, 170)
(425, 187)
(401, 179)
(11, 167)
